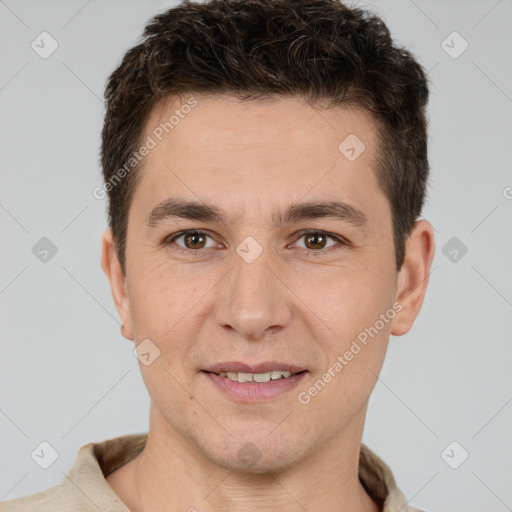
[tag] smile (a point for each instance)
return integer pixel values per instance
(257, 377)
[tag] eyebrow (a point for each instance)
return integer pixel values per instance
(194, 210)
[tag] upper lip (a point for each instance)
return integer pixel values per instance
(240, 367)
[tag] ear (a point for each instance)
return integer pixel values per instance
(112, 268)
(413, 277)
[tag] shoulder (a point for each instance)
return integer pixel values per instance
(378, 480)
(84, 488)
(45, 501)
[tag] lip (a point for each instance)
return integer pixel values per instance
(251, 392)
(265, 367)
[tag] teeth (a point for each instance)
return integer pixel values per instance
(244, 377)
(256, 377)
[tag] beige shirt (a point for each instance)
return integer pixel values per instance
(85, 489)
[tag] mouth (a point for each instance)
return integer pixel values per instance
(255, 383)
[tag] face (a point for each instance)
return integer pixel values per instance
(251, 280)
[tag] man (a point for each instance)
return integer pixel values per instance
(266, 165)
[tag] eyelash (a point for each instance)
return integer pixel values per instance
(172, 238)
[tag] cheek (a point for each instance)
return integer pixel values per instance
(347, 300)
(354, 310)
(160, 295)
(169, 310)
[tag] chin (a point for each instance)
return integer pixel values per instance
(261, 456)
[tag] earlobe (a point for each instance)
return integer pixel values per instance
(112, 268)
(126, 333)
(413, 277)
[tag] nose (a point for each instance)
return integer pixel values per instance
(253, 300)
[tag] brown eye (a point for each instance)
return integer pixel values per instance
(315, 241)
(194, 240)
(191, 241)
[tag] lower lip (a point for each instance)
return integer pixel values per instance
(255, 391)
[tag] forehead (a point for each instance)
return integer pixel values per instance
(253, 152)
(223, 122)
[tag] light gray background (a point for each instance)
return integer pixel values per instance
(69, 378)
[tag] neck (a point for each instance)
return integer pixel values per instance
(171, 474)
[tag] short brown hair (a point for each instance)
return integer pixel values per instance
(320, 50)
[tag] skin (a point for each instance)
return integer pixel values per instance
(251, 158)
